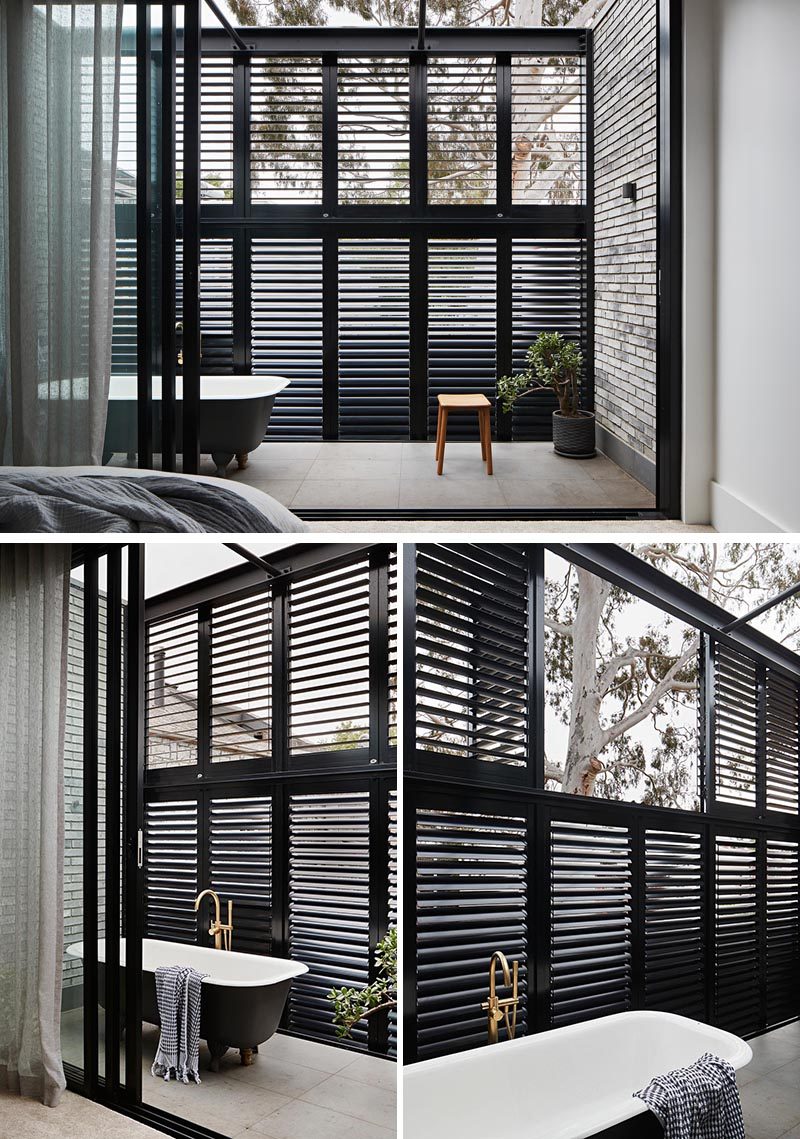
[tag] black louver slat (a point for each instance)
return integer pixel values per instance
(286, 330)
(782, 743)
(591, 951)
(240, 861)
(241, 679)
(374, 343)
(548, 289)
(674, 917)
(472, 652)
(471, 900)
(736, 958)
(171, 870)
(286, 131)
(172, 691)
(329, 682)
(462, 324)
(328, 906)
(373, 130)
(735, 726)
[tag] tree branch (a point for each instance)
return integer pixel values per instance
(670, 683)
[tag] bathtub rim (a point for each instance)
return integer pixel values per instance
(628, 1110)
(293, 969)
(249, 386)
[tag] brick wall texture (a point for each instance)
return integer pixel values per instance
(625, 231)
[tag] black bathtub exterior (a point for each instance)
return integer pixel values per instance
(228, 427)
(231, 1016)
(640, 1127)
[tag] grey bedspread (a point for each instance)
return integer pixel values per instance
(93, 504)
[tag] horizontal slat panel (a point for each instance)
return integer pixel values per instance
(782, 962)
(328, 906)
(286, 322)
(393, 663)
(373, 130)
(286, 130)
(124, 337)
(171, 870)
(393, 910)
(462, 131)
(172, 691)
(241, 680)
(329, 639)
(591, 950)
(240, 859)
(783, 743)
(216, 130)
(736, 959)
(548, 123)
(471, 900)
(675, 934)
(472, 652)
(216, 302)
(735, 726)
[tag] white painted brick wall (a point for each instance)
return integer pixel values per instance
(625, 232)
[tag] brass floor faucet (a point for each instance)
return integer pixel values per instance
(497, 1008)
(222, 934)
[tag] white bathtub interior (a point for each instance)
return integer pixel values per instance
(566, 1084)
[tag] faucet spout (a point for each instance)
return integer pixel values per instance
(496, 1008)
(222, 934)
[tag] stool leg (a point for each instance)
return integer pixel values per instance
(482, 434)
(487, 429)
(438, 433)
(442, 441)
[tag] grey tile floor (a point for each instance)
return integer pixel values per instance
(769, 1086)
(384, 476)
(296, 1089)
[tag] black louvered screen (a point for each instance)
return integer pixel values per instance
(373, 130)
(462, 326)
(393, 908)
(124, 338)
(171, 869)
(736, 957)
(591, 951)
(241, 680)
(374, 339)
(329, 682)
(216, 130)
(286, 130)
(328, 906)
(675, 936)
(782, 931)
(216, 301)
(172, 691)
(471, 900)
(472, 653)
(240, 867)
(548, 125)
(782, 743)
(548, 294)
(286, 330)
(735, 727)
(462, 131)
(393, 662)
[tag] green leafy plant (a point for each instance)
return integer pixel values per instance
(554, 364)
(352, 1005)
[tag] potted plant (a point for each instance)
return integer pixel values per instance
(353, 1005)
(554, 364)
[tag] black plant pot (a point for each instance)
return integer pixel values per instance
(573, 435)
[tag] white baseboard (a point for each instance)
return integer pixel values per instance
(731, 515)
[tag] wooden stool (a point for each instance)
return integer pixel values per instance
(479, 403)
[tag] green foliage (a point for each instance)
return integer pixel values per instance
(553, 363)
(353, 1005)
(348, 736)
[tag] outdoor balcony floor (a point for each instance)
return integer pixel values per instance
(295, 1089)
(390, 476)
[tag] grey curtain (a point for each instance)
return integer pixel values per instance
(59, 94)
(34, 598)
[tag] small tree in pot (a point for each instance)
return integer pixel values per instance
(554, 364)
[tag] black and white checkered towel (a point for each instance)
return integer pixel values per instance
(178, 991)
(698, 1102)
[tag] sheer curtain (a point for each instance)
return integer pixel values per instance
(59, 93)
(34, 599)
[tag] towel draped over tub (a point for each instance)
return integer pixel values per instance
(179, 992)
(698, 1102)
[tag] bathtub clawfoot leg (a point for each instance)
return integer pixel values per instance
(221, 460)
(248, 1056)
(242, 458)
(217, 1051)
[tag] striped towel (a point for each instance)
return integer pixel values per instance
(698, 1102)
(178, 991)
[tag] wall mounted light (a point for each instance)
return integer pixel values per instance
(629, 191)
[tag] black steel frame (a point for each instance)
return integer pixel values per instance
(415, 221)
(471, 785)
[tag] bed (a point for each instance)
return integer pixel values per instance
(33, 493)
